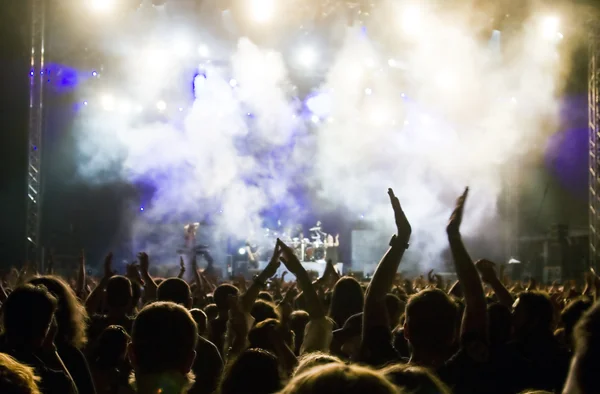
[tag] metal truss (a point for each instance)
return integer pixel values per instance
(594, 143)
(35, 129)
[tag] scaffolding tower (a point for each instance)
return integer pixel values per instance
(594, 143)
(35, 129)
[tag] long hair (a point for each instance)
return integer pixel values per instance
(71, 315)
(347, 300)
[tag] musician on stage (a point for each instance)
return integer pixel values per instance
(331, 248)
(317, 234)
(252, 251)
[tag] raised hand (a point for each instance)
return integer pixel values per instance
(271, 268)
(181, 267)
(144, 262)
(487, 270)
(289, 258)
(403, 228)
(108, 272)
(453, 227)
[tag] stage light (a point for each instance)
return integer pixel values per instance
(307, 57)
(180, 109)
(368, 91)
(232, 83)
(182, 47)
(203, 51)
(142, 209)
(445, 80)
(314, 119)
(262, 10)
(319, 104)
(107, 102)
(161, 105)
(94, 74)
(411, 19)
(125, 107)
(102, 5)
(242, 251)
(85, 103)
(550, 26)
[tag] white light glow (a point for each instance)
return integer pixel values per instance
(550, 27)
(203, 51)
(307, 57)
(107, 102)
(232, 83)
(445, 79)
(262, 10)
(161, 105)
(125, 107)
(242, 251)
(102, 5)
(155, 60)
(368, 91)
(182, 47)
(410, 19)
(314, 119)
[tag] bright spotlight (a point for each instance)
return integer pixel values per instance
(232, 83)
(102, 5)
(182, 47)
(307, 57)
(155, 59)
(203, 51)
(242, 251)
(125, 107)
(107, 102)
(262, 10)
(445, 80)
(368, 91)
(550, 27)
(314, 119)
(410, 19)
(161, 105)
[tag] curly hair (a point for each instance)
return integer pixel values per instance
(71, 315)
(17, 378)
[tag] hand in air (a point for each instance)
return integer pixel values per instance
(403, 228)
(453, 227)
(271, 268)
(181, 264)
(289, 258)
(144, 262)
(487, 270)
(108, 272)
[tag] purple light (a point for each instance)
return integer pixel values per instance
(31, 73)
(142, 209)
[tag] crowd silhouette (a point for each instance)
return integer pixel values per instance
(138, 333)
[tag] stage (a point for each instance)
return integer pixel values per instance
(317, 266)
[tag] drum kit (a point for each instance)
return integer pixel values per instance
(306, 249)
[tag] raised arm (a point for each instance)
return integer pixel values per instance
(249, 297)
(81, 276)
(94, 300)
(318, 332)
(488, 274)
(475, 315)
(149, 285)
(375, 312)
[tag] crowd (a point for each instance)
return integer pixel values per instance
(136, 333)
